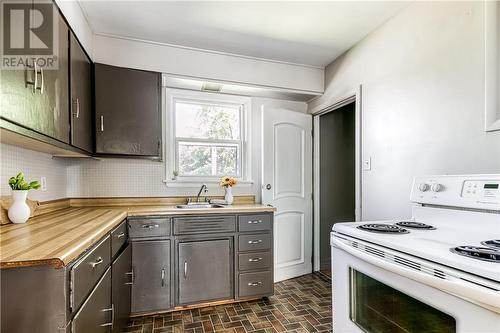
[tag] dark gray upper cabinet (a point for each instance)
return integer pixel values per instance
(127, 111)
(151, 269)
(121, 289)
(42, 108)
(204, 271)
(81, 96)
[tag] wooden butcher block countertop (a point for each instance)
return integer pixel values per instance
(56, 238)
(59, 237)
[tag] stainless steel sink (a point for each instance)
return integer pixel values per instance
(199, 206)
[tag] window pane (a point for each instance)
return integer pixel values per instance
(203, 159)
(207, 121)
(194, 160)
(227, 161)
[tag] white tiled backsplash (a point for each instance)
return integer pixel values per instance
(34, 165)
(116, 177)
(124, 177)
(77, 178)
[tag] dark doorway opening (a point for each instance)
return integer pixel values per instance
(337, 187)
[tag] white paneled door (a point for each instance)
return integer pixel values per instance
(287, 185)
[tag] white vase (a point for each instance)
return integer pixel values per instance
(19, 211)
(229, 195)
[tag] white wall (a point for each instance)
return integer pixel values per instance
(34, 165)
(135, 177)
(422, 79)
(208, 65)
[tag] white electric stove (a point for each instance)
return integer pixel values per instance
(436, 272)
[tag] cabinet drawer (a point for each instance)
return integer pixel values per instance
(157, 227)
(118, 238)
(255, 284)
(88, 270)
(254, 242)
(254, 222)
(250, 261)
(204, 224)
(96, 314)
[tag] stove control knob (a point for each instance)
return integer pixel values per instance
(423, 187)
(436, 187)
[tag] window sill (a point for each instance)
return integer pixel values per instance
(197, 183)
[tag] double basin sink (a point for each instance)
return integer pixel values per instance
(199, 206)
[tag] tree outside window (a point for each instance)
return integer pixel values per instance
(208, 139)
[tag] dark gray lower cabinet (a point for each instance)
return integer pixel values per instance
(151, 268)
(96, 314)
(204, 271)
(121, 288)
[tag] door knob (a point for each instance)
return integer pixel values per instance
(268, 186)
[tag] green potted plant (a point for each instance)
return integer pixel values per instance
(19, 211)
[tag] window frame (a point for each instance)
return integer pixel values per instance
(172, 141)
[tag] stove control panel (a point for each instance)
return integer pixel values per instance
(481, 189)
(468, 191)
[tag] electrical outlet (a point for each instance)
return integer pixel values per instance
(367, 164)
(43, 183)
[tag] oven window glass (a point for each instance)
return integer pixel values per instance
(378, 308)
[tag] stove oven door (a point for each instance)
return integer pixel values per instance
(369, 298)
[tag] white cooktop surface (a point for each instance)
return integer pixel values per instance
(453, 228)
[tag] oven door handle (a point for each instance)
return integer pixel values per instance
(485, 297)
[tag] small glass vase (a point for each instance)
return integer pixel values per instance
(19, 211)
(229, 195)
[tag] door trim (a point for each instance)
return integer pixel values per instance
(354, 96)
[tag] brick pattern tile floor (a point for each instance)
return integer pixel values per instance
(300, 305)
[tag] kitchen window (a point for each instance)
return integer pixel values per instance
(206, 137)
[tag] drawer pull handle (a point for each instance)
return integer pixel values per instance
(120, 235)
(255, 259)
(258, 241)
(150, 226)
(97, 262)
(254, 284)
(255, 222)
(112, 309)
(185, 269)
(163, 277)
(131, 277)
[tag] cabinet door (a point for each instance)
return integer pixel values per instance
(96, 314)
(81, 97)
(44, 109)
(128, 111)
(121, 288)
(204, 271)
(151, 267)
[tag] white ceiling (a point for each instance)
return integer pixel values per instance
(311, 33)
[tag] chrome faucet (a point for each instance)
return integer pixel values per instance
(202, 189)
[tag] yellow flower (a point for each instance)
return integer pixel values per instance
(227, 181)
